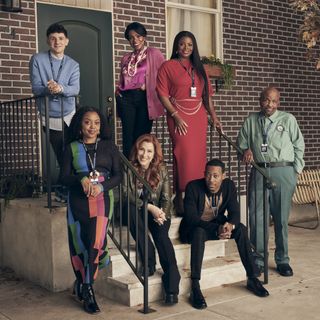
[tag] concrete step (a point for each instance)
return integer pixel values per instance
(128, 290)
(119, 265)
(174, 228)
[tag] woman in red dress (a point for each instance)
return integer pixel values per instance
(184, 90)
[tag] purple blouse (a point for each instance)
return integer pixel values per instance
(136, 81)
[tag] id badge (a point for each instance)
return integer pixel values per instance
(214, 211)
(94, 177)
(193, 92)
(264, 148)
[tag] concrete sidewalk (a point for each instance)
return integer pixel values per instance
(293, 298)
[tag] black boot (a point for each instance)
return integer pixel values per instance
(89, 300)
(77, 290)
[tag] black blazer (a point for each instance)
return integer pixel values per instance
(194, 201)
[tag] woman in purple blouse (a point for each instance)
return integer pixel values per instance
(137, 101)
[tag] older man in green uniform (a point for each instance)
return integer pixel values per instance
(273, 140)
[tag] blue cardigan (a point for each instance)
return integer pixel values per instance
(41, 72)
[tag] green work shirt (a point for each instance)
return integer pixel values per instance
(282, 135)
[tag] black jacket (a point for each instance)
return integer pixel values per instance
(194, 201)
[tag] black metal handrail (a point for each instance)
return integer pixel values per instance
(117, 228)
(17, 119)
(20, 162)
(25, 147)
(20, 119)
(267, 184)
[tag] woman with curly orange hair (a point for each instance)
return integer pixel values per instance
(146, 156)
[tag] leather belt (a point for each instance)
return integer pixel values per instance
(275, 164)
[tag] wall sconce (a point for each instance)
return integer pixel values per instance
(11, 5)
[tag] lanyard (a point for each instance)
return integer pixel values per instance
(92, 163)
(265, 132)
(56, 79)
(214, 202)
(190, 75)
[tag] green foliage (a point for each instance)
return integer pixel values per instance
(227, 69)
(309, 31)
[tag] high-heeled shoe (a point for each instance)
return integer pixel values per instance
(77, 290)
(89, 301)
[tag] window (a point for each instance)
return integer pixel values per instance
(202, 17)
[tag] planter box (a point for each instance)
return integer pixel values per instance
(215, 71)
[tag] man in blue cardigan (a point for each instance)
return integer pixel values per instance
(212, 212)
(56, 75)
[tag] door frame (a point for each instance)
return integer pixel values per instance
(110, 10)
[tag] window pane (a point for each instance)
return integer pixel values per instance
(202, 25)
(212, 4)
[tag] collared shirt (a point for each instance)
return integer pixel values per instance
(56, 124)
(283, 138)
(210, 212)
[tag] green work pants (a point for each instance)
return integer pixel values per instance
(278, 204)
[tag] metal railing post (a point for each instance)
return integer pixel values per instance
(265, 231)
(48, 158)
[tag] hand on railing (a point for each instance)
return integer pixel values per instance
(217, 124)
(247, 156)
(54, 87)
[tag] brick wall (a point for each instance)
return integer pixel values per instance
(152, 15)
(260, 39)
(17, 44)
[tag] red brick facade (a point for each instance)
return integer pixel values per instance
(260, 40)
(17, 44)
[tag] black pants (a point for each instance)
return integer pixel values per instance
(171, 276)
(239, 234)
(57, 140)
(132, 108)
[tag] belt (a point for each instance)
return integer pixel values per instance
(133, 90)
(275, 164)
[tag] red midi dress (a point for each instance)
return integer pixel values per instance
(189, 150)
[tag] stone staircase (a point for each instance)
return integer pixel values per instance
(221, 265)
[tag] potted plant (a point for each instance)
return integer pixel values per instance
(216, 69)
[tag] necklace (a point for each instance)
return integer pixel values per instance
(94, 174)
(135, 59)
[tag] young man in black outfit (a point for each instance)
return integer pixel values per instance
(205, 204)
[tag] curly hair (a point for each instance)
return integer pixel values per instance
(57, 28)
(195, 59)
(74, 132)
(152, 174)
